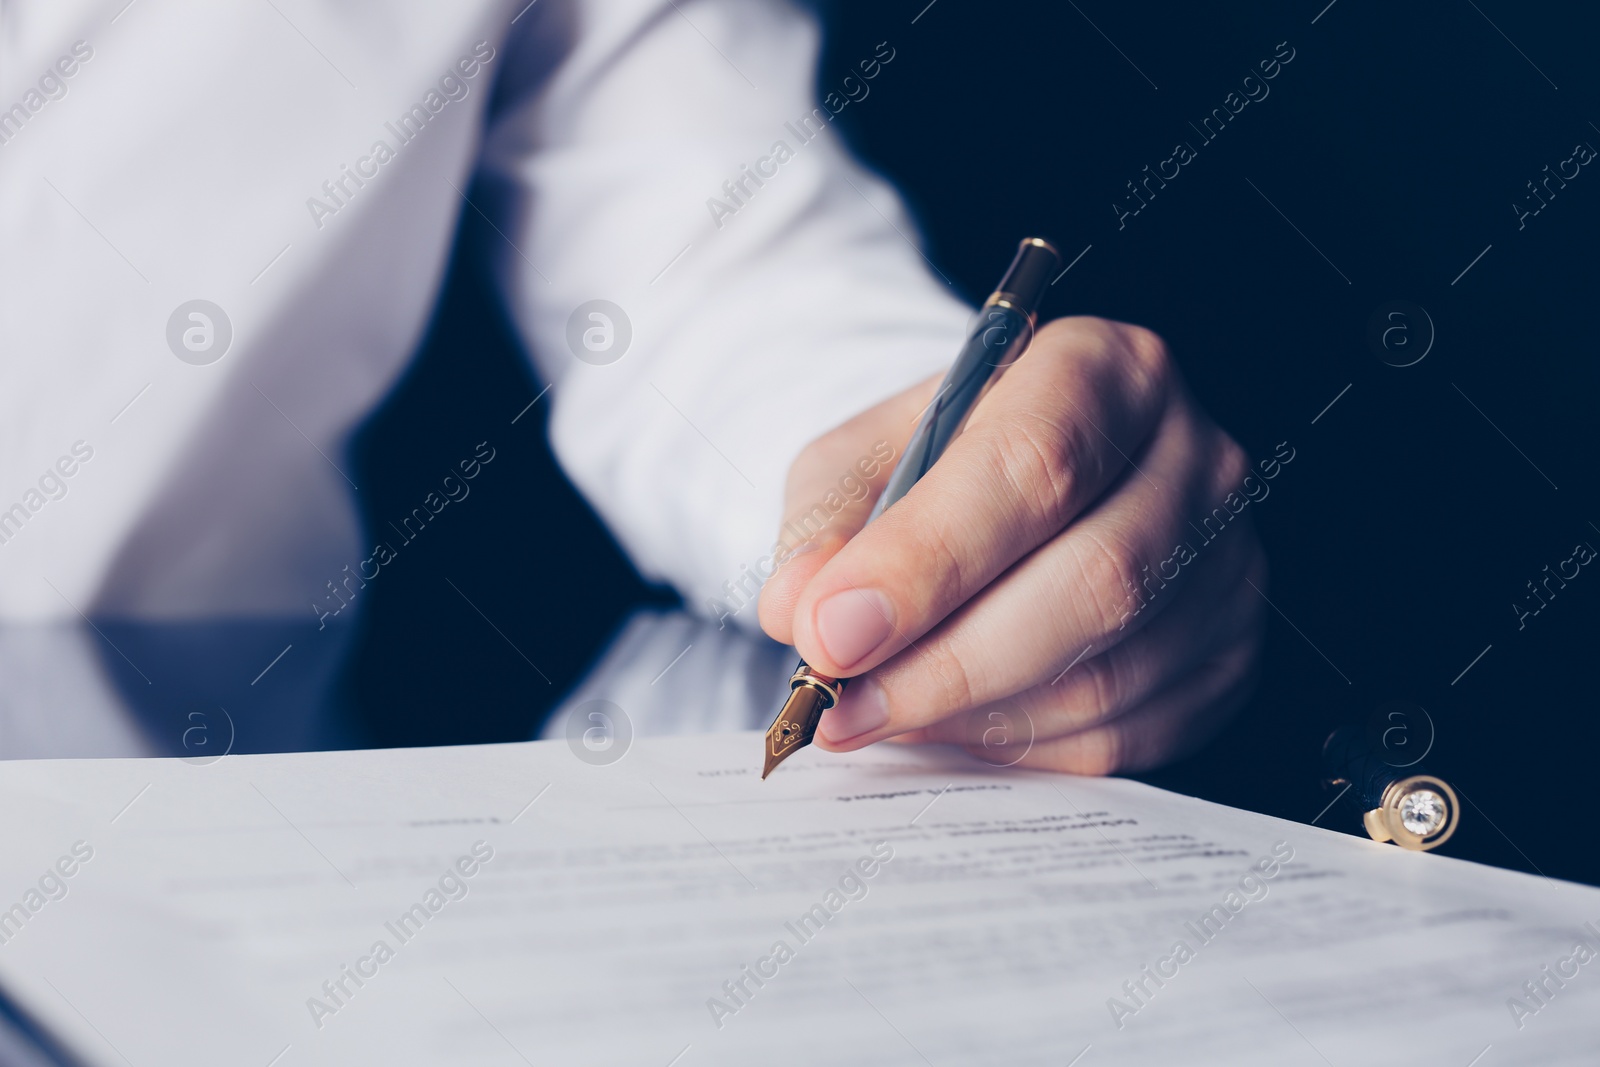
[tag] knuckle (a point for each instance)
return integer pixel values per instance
(1096, 752)
(939, 566)
(811, 457)
(1150, 364)
(1106, 686)
(1110, 574)
(1232, 463)
(1146, 347)
(1131, 356)
(818, 448)
(1044, 460)
(951, 683)
(1065, 332)
(1111, 684)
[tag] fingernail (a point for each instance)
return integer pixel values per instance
(853, 623)
(862, 709)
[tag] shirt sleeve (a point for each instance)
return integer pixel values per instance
(678, 164)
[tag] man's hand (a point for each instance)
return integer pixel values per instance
(1062, 561)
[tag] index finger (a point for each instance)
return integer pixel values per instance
(1047, 440)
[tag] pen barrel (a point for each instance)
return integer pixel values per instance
(999, 335)
(1348, 758)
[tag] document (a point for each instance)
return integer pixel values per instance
(518, 904)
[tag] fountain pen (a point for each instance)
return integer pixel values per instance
(998, 336)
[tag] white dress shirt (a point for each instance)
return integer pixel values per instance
(301, 167)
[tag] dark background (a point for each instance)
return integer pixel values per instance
(1396, 141)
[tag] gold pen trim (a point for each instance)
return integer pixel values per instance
(1387, 822)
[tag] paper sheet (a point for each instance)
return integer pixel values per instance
(505, 904)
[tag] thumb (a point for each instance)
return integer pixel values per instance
(832, 487)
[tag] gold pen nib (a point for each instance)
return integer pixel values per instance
(810, 694)
(794, 727)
